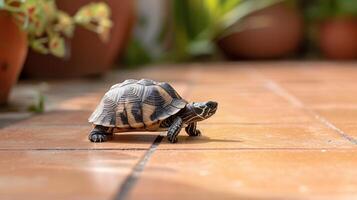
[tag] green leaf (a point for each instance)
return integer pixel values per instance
(238, 13)
(346, 7)
(46, 25)
(95, 17)
(197, 23)
(228, 5)
(201, 47)
(136, 54)
(39, 106)
(39, 45)
(57, 46)
(64, 24)
(2, 4)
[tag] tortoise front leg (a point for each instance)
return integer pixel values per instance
(174, 130)
(99, 134)
(192, 130)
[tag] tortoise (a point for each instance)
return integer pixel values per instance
(147, 105)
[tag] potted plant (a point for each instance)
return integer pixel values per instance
(333, 25)
(239, 28)
(88, 55)
(274, 31)
(13, 50)
(42, 26)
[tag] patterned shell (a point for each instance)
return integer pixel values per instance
(137, 104)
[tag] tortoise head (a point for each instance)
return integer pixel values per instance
(204, 110)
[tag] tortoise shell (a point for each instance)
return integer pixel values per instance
(137, 104)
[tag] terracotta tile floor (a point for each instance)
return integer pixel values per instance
(284, 130)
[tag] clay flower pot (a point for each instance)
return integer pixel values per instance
(13, 51)
(338, 38)
(272, 32)
(88, 54)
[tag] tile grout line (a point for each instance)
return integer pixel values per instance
(280, 91)
(254, 149)
(130, 180)
(283, 93)
(133, 177)
(73, 149)
(176, 149)
(201, 124)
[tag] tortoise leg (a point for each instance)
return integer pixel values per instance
(174, 130)
(99, 134)
(192, 130)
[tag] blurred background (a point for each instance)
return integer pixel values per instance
(220, 30)
(151, 32)
(58, 58)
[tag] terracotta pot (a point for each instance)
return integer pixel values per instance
(88, 54)
(13, 51)
(338, 39)
(272, 32)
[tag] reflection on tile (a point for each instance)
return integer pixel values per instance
(59, 117)
(337, 115)
(230, 136)
(249, 175)
(68, 137)
(35, 175)
(229, 114)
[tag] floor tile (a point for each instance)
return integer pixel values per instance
(230, 136)
(251, 115)
(321, 99)
(237, 99)
(174, 73)
(9, 118)
(338, 115)
(259, 145)
(68, 137)
(232, 74)
(249, 175)
(85, 102)
(349, 129)
(37, 175)
(229, 88)
(325, 86)
(58, 117)
(324, 94)
(307, 71)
